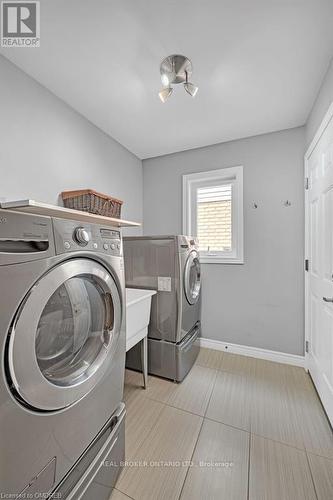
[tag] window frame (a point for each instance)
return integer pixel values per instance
(227, 175)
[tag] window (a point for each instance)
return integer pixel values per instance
(213, 212)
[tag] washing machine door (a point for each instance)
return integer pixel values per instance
(192, 278)
(64, 335)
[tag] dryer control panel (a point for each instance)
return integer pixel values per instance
(72, 236)
(187, 243)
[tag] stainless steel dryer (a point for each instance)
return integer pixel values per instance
(62, 335)
(170, 265)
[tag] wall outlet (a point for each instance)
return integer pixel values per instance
(164, 284)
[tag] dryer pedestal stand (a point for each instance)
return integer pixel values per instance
(97, 471)
(168, 359)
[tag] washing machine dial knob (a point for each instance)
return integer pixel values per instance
(81, 236)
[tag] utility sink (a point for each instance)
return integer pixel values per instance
(138, 304)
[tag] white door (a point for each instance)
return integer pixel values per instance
(319, 279)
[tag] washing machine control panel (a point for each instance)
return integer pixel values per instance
(81, 236)
(71, 236)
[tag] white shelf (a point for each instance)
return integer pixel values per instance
(38, 208)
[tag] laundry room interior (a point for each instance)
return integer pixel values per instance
(166, 250)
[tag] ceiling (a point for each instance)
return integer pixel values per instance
(258, 65)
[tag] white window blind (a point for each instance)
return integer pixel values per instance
(213, 212)
(214, 218)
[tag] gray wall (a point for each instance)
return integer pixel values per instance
(46, 147)
(323, 101)
(259, 303)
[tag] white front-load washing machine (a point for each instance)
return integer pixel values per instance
(62, 337)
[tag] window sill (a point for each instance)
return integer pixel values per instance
(220, 260)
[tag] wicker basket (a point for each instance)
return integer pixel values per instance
(90, 201)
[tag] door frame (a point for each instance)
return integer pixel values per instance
(325, 121)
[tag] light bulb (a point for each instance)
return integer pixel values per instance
(165, 93)
(191, 89)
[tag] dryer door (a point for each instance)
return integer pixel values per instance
(64, 335)
(192, 278)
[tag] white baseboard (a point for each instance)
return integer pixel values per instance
(254, 352)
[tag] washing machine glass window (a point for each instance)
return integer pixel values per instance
(64, 335)
(192, 278)
(71, 332)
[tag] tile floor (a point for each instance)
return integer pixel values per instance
(237, 428)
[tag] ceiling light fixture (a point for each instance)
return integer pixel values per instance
(176, 69)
